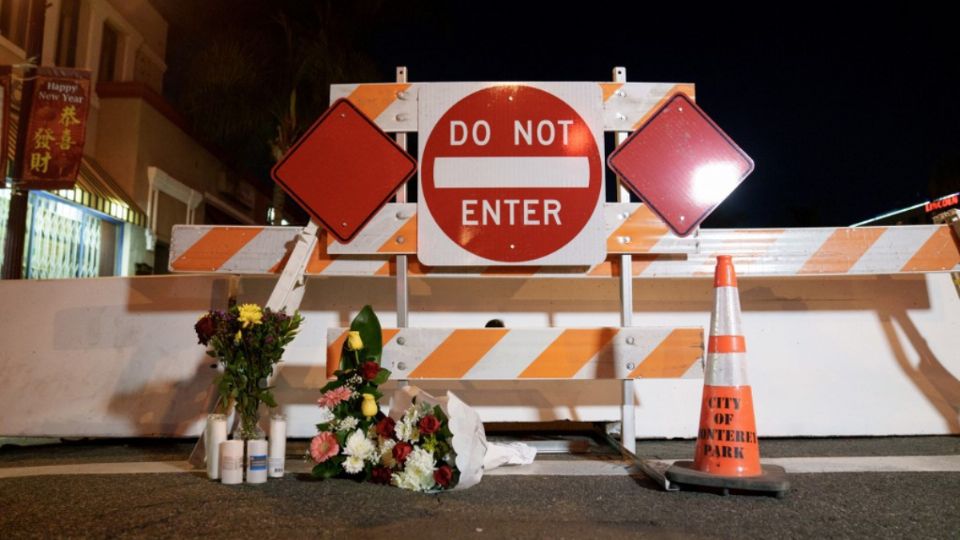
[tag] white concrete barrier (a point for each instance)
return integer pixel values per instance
(868, 355)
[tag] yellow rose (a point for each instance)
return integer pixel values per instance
(369, 406)
(250, 314)
(354, 343)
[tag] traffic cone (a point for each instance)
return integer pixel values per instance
(727, 452)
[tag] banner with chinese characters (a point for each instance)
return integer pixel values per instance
(55, 129)
(6, 87)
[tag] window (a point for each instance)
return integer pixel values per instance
(67, 33)
(13, 21)
(109, 45)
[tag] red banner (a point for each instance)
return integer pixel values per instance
(55, 129)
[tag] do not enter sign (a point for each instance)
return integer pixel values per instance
(511, 174)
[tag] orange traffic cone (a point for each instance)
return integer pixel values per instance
(727, 452)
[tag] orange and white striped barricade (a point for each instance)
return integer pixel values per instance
(655, 254)
(492, 354)
(727, 454)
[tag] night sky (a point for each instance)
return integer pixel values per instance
(847, 114)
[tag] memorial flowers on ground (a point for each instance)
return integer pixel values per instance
(247, 341)
(356, 440)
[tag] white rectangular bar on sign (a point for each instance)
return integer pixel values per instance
(511, 172)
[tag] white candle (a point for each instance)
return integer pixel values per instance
(215, 434)
(278, 445)
(256, 461)
(231, 462)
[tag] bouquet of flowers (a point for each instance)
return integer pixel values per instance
(247, 341)
(358, 441)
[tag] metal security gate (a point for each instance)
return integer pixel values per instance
(64, 240)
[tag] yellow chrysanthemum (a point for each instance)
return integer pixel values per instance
(237, 337)
(250, 314)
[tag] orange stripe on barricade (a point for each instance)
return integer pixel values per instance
(842, 250)
(609, 89)
(277, 268)
(373, 99)
(407, 231)
(458, 353)
(567, 355)
(335, 347)
(687, 89)
(215, 248)
(673, 356)
(726, 344)
(319, 259)
(939, 252)
(643, 228)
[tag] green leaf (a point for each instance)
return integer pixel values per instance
(331, 385)
(381, 377)
(327, 469)
(367, 323)
(267, 397)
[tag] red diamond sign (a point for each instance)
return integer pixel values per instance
(343, 170)
(681, 164)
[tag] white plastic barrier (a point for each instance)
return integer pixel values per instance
(867, 355)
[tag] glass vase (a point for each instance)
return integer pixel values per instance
(248, 425)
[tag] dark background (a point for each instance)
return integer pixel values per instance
(847, 112)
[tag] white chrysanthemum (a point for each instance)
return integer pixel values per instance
(326, 415)
(412, 416)
(386, 452)
(407, 431)
(359, 445)
(412, 481)
(353, 464)
(420, 462)
(347, 424)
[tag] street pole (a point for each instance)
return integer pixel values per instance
(17, 218)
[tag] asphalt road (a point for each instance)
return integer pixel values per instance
(854, 505)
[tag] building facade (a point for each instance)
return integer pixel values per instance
(142, 170)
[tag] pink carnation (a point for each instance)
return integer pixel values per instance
(331, 398)
(324, 446)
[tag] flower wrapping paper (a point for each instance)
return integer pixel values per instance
(469, 438)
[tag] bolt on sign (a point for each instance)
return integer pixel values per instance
(511, 174)
(56, 129)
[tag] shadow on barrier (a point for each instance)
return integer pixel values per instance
(929, 375)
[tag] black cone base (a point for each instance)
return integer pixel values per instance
(773, 480)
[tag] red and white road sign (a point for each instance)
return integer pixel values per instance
(343, 169)
(681, 164)
(511, 174)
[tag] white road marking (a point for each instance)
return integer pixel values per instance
(577, 467)
(130, 467)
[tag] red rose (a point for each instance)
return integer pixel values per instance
(443, 475)
(401, 451)
(369, 370)
(205, 328)
(429, 424)
(386, 428)
(381, 475)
